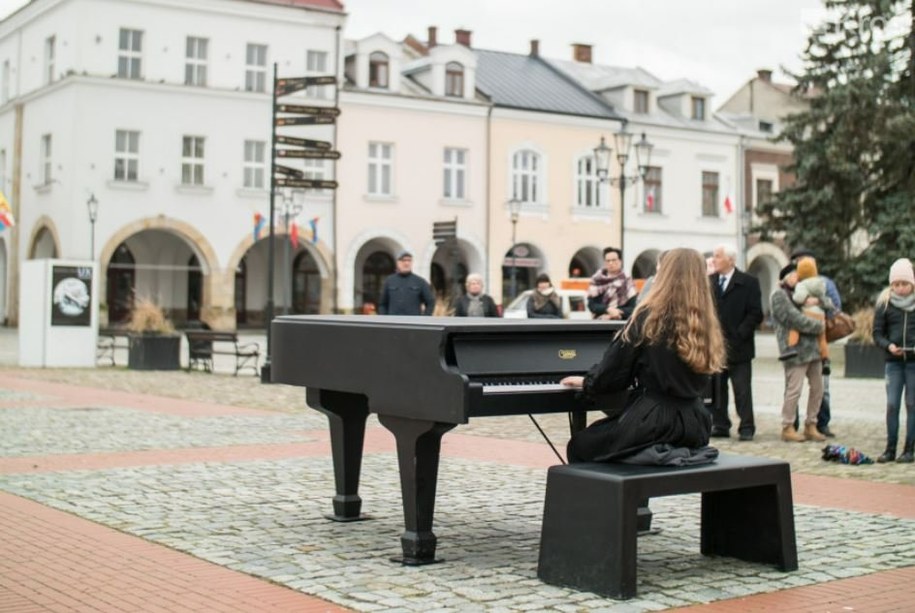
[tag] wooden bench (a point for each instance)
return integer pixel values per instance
(202, 346)
(110, 339)
(588, 537)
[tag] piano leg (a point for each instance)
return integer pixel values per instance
(346, 414)
(418, 450)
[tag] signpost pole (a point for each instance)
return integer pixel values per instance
(268, 311)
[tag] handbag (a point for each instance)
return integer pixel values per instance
(839, 326)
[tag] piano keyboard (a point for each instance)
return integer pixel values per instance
(515, 388)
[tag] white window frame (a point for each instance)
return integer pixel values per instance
(5, 82)
(454, 172)
(255, 164)
(715, 210)
(255, 67)
(380, 170)
(527, 177)
(590, 192)
(127, 152)
(316, 65)
(193, 160)
(3, 171)
(318, 170)
(196, 52)
(45, 169)
(50, 44)
(454, 79)
(767, 172)
(130, 57)
(380, 69)
(697, 109)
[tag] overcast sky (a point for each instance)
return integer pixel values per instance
(718, 43)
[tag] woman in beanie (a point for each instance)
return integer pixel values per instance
(894, 331)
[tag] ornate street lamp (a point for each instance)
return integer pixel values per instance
(514, 211)
(622, 140)
(92, 205)
(293, 203)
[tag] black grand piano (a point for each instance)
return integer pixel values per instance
(423, 376)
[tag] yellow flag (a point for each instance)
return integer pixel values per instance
(6, 214)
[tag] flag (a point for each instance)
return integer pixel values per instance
(259, 222)
(649, 199)
(294, 235)
(728, 205)
(313, 223)
(6, 214)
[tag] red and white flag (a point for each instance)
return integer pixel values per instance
(649, 199)
(728, 205)
(294, 235)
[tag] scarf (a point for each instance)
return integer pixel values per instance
(906, 303)
(614, 291)
(474, 305)
(540, 300)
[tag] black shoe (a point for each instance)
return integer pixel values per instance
(886, 456)
(789, 353)
(745, 437)
(720, 433)
(827, 432)
(826, 369)
(906, 458)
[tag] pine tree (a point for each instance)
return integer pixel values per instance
(854, 200)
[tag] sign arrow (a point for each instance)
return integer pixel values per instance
(286, 170)
(308, 110)
(283, 87)
(292, 141)
(307, 120)
(306, 183)
(307, 154)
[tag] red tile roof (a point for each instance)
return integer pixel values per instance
(330, 5)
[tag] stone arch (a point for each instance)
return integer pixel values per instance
(389, 239)
(472, 254)
(46, 224)
(764, 261)
(646, 264)
(588, 259)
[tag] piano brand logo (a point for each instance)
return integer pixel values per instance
(567, 354)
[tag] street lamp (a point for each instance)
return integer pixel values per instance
(623, 142)
(293, 203)
(514, 211)
(92, 205)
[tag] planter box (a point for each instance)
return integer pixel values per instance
(154, 352)
(865, 361)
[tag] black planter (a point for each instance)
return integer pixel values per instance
(154, 352)
(864, 361)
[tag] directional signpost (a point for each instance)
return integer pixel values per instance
(307, 155)
(302, 142)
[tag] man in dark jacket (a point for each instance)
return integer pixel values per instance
(405, 293)
(739, 302)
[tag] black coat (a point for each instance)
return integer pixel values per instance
(893, 326)
(740, 313)
(489, 306)
(406, 295)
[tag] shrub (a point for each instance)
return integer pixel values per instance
(147, 317)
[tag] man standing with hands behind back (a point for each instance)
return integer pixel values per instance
(739, 303)
(406, 293)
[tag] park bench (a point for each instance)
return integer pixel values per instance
(110, 339)
(202, 345)
(588, 536)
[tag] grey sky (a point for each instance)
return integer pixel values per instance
(718, 43)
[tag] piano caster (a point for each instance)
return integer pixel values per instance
(414, 561)
(343, 519)
(418, 549)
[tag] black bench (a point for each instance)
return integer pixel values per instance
(588, 537)
(201, 347)
(110, 339)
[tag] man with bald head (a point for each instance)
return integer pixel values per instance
(739, 302)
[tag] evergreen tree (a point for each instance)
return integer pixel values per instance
(854, 200)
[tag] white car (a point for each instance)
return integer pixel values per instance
(574, 304)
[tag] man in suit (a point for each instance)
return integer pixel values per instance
(739, 302)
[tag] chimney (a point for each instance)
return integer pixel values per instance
(431, 42)
(535, 47)
(764, 74)
(581, 53)
(462, 37)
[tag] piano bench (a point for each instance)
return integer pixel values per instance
(588, 537)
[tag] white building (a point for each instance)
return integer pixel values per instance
(162, 112)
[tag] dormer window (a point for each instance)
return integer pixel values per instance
(640, 104)
(454, 79)
(765, 126)
(378, 70)
(698, 108)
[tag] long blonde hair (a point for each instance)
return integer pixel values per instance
(679, 311)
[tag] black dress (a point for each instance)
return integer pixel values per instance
(663, 405)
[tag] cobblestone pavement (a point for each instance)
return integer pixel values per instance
(264, 517)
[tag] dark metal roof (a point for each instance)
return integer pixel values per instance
(523, 82)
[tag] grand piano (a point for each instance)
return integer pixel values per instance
(423, 376)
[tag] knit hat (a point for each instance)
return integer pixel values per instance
(787, 270)
(404, 254)
(806, 268)
(901, 270)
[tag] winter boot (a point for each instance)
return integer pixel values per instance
(790, 435)
(812, 434)
(889, 455)
(907, 456)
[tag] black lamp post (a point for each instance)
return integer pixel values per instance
(92, 205)
(514, 211)
(623, 142)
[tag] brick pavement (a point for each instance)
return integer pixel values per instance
(169, 510)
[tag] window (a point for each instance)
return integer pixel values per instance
(765, 126)
(698, 108)
(3, 170)
(380, 163)
(316, 65)
(764, 190)
(195, 68)
(126, 155)
(654, 202)
(254, 168)
(526, 176)
(641, 101)
(710, 194)
(588, 187)
(44, 171)
(192, 160)
(315, 169)
(256, 68)
(5, 84)
(130, 54)
(455, 170)
(49, 44)
(454, 79)
(378, 70)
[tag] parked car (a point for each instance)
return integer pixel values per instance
(574, 304)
